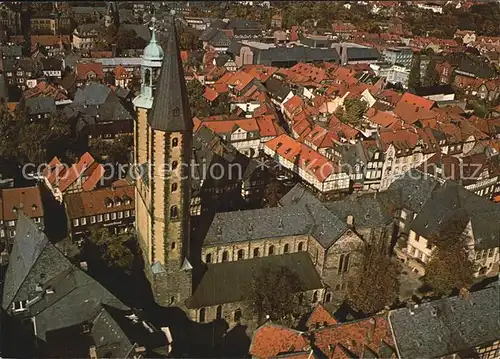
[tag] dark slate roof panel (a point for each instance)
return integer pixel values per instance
(362, 53)
(170, 110)
(298, 195)
(447, 326)
(229, 282)
(327, 227)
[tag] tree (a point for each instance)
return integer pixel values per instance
(112, 151)
(114, 250)
(353, 111)
(276, 291)
(222, 105)
(431, 77)
(414, 77)
(195, 91)
(376, 285)
(450, 266)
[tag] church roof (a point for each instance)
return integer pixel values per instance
(170, 110)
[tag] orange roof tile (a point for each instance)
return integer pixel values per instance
(270, 340)
(227, 126)
(382, 118)
(309, 160)
(26, 199)
(210, 94)
(320, 317)
(268, 126)
(293, 104)
(417, 101)
(83, 69)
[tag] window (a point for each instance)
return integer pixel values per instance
(99, 218)
(174, 212)
(201, 315)
(76, 222)
(11, 223)
(208, 258)
(120, 215)
(113, 216)
(37, 220)
(403, 214)
(173, 187)
(225, 256)
(237, 315)
(92, 219)
(286, 248)
(106, 217)
(270, 251)
(2, 233)
(13, 233)
(175, 142)
(346, 263)
(218, 315)
(341, 264)
(315, 296)
(83, 221)
(241, 254)
(301, 246)
(328, 297)
(174, 165)
(172, 246)
(127, 214)
(19, 306)
(256, 252)
(490, 252)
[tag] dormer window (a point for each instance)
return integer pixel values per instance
(127, 200)
(118, 202)
(109, 202)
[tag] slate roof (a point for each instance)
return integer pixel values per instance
(327, 227)
(449, 325)
(298, 195)
(294, 54)
(367, 211)
(58, 294)
(452, 201)
(362, 53)
(229, 282)
(434, 90)
(170, 110)
(278, 89)
(40, 105)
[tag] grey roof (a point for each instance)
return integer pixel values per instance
(367, 211)
(221, 60)
(278, 89)
(452, 201)
(208, 33)
(109, 338)
(229, 282)
(170, 110)
(40, 105)
(294, 54)
(298, 195)
(219, 39)
(362, 53)
(11, 51)
(91, 94)
(447, 326)
(327, 228)
(242, 24)
(35, 266)
(51, 63)
(141, 31)
(258, 224)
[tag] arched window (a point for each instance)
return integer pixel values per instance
(341, 264)
(237, 315)
(270, 251)
(256, 252)
(218, 315)
(208, 258)
(175, 142)
(176, 111)
(346, 263)
(173, 187)
(328, 297)
(241, 254)
(174, 165)
(286, 248)
(315, 296)
(147, 77)
(301, 246)
(174, 212)
(172, 246)
(202, 315)
(225, 256)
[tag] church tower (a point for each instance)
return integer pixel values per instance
(162, 152)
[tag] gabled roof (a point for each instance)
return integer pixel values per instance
(271, 340)
(14, 200)
(228, 282)
(448, 326)
(170, 112)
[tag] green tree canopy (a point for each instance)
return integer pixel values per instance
(114, 250)
(414, 77)
(377, 283)
(431, 77)
(275, 291)
(353, 111)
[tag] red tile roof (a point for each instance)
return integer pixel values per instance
(320, 317)
(354, 336)
(26, 199)
(90, 203)
(382, 118)
(293, 104)
(417, 101)
(401, 139)
(83, 69)
(210, 94)
(309, 160)
(45, 89)
(50, 40)
(270, 340)
(228, 126)
(268, 126)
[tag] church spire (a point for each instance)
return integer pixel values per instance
(170, 112)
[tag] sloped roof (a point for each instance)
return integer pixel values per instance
(228, 282)
(170, 110)
(449, 325)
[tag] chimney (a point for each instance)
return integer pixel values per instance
(350, 220)
(92, 352)
(464, 293)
